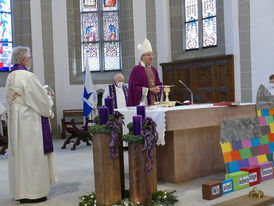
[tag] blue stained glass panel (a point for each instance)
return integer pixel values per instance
(5, 5)
(91, 51)
(111, 26)
(5, 55)
(90, 27)
(110, 5)
(192, 35)
(112, 56)
(89, 5)
(209, 32)
(209, 8)
(191, 10)
(5, 27)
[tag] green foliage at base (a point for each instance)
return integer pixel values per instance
(87, 200)
(102, 129)
(130, 138)
(160, 198)
(99, 129)
(164, 198)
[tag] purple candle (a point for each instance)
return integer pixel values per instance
(141, 110)
(109, 104)
(137, 125)
(103, 115)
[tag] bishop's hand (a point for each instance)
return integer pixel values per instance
(154, 90)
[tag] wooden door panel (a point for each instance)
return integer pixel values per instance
(210, 79)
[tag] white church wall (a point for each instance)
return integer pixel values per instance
(37, 43)
(232, 41)
(262, 42)
(162, 11)
(139, 24)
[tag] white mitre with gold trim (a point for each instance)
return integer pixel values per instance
(144, 47)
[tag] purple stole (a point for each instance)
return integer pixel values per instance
(112, 93)
(47, 138)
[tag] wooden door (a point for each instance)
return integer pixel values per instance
(210, 79)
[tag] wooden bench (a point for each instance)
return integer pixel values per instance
(4, 139)
(3, 144)
(68, 115)
(79, 134)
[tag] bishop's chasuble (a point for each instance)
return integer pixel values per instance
(141, 79)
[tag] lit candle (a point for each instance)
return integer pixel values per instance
(141, 110)
(137, 125)
(109, 104)
(103, 115)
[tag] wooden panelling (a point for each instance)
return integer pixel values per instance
(210, 79)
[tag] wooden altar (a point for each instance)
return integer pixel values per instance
(192, 137)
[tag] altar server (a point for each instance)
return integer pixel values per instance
(144, 80)
(118, 91)
(31, 159)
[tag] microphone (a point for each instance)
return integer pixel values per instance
(187, 89)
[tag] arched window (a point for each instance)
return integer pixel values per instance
(6, 37)
(200, 24)
(100, 25)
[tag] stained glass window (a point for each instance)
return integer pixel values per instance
(89, 5)
(191, 10)
(111, 26)
(90, 27)
(112, 55)
(192, 35)
(191, 24)
(209, 32)
(91, 51)
(209, 23)
(5, 34)
(101, 34)
(110, 5)
(200, 30)
(209, 8)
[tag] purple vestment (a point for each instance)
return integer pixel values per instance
(112, 93)
(138, 79)
(47, 138)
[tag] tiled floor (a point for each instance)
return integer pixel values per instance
(75, 170)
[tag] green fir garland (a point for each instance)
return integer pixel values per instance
(160, 198)
(131, 138)
(88, 200)
(101, 129)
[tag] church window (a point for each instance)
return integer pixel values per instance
(101, 34)
(200, 24)
(6, 35)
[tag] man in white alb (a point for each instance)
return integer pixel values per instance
(31, 160)
(118, 91)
